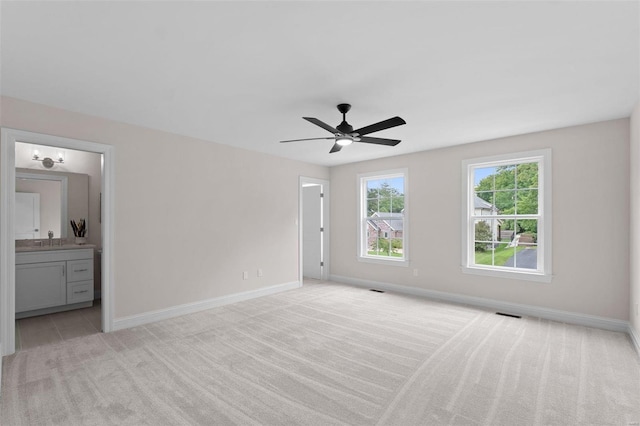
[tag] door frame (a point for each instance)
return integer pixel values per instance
(326, 209)
(8, 139)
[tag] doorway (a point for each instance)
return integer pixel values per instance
(9, 139)
(314, 229)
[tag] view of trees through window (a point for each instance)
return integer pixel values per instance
(506, 215)
(384, 219)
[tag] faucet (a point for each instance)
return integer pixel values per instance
(50, 238)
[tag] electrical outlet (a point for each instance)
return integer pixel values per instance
(415, 272)
(245, 275)
(259, 272)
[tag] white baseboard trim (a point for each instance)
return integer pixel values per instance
(635, 339)
(189, 308)
(507, 307)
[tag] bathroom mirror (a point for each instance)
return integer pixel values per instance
(46, 201)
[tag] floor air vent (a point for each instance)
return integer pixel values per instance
(376, 290)
(508, 315)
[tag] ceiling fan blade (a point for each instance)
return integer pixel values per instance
(386, 124)
(379, 141)
(335, 148)
(307, 139)
(321, 124)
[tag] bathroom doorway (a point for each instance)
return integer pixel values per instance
(68, 190)
(93, 164)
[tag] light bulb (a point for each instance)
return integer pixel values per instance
(344, 141)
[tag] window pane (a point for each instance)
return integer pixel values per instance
(483, 203)
(372, 206)
(484, 237)
(527, 176)
(486, 230)
(505, 177)
(483, 178)
(397, 203)
(505, 202)
(527, 230)
(384, 204)
(385, 237)
(385, 195)
(527, 201)
(483, 257)
(526, 257)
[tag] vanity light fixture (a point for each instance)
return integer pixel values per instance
(48, 162)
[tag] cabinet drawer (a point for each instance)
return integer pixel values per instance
(81, 291)
(79, 270)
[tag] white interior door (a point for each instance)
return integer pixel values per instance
(27, 219)
(312, 231)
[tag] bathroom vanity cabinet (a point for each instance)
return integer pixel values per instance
(53, 281)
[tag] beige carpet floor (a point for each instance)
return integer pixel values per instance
(330, 354)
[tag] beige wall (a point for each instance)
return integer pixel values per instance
(190, 215)
(635, 220)
(590, 221)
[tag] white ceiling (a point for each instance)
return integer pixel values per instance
(244, 73)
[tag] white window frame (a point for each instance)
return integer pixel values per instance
(544, 245)
(363, 255)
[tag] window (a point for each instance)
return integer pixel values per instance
(507, 220)
(383, 217)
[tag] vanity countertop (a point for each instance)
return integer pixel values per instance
(46, 247)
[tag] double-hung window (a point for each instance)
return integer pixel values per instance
(507, 216)
(382, 236)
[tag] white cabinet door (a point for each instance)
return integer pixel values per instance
(40, 285)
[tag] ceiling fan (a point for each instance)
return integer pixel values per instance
(344, 135)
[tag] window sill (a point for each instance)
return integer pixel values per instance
(384, 261)
(525, 276)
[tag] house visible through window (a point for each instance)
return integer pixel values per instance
(507, 222)
(383, 216)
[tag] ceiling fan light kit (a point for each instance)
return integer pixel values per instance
(343, 140)
(344, 135)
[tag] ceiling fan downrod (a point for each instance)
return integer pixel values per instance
(344, 127)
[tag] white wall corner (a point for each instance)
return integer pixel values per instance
(512, 308)
(190, 308)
